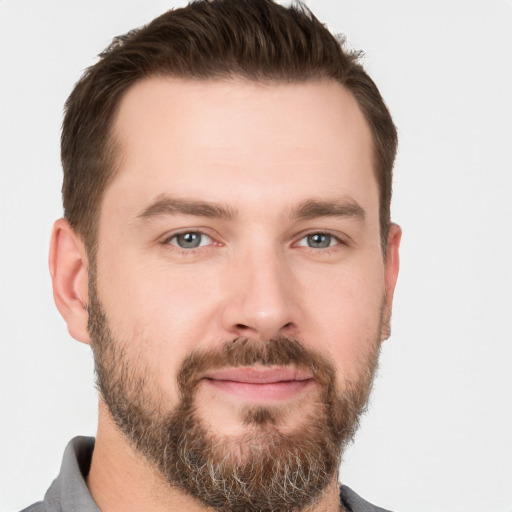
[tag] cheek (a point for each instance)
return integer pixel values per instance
(347, 317)
(147, 291)
(162, 315)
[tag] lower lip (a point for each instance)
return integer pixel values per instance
(257, 392)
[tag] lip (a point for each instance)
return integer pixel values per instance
(260, 385)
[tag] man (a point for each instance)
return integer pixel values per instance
(228, 253)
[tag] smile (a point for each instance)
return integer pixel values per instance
(260, 385)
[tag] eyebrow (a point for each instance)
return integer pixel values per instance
(309, 209)
(313, 208)
(172, 206)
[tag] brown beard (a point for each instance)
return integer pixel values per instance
(261, 470)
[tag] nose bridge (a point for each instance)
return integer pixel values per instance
(261, 303)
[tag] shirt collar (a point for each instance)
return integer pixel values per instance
(69, 490)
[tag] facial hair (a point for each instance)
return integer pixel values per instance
(262, 470)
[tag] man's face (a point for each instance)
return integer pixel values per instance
(242, 215)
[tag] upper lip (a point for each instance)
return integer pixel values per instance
(259, 375)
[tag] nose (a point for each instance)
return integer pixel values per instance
(262, 299)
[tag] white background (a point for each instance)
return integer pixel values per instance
(438, 437)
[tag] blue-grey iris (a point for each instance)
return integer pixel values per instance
(319, 240)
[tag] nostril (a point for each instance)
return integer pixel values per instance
(244, 327)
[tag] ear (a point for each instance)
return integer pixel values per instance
(391, 267)
(68, 268)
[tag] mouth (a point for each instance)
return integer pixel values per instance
(260, 385)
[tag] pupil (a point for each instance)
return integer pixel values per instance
(319, 241)
(189, 240)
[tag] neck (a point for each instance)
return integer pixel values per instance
(122, 480)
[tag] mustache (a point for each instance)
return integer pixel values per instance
(278, 351)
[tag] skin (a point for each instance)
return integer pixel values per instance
(260, 152)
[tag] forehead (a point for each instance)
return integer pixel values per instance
(194, 137)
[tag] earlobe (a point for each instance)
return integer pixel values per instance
(68, 268)
(392, 266)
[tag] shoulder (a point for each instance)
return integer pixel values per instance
(69, 490)
(354, 503)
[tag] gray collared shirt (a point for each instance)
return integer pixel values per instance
(69, 492)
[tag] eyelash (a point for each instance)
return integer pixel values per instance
(193, 250)
(338, 241)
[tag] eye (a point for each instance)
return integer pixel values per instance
(319, 241)
(190, 240)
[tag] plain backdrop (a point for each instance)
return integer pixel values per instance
(438, 436)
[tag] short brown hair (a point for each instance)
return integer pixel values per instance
(254, 39)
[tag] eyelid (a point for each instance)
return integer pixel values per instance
(204, 240)
(166, 239)
(341, 238)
